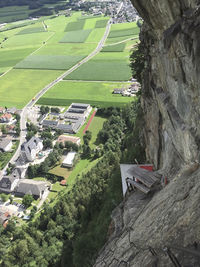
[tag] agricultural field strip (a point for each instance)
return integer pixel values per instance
(123, 41)
(6, 72)
(30, 54)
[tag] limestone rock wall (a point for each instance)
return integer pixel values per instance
(171, 103)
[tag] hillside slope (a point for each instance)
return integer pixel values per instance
(170, 100)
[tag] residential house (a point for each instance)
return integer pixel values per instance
(30, 149)
(4, 217)
(12, 110)
(5, 144)
(2, 110)
(69, 160)
(118, 90)
(68, 138)
(8, 183)
(6, 117)
(38, 189)
(19, 172)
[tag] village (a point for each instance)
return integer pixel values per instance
(58, 126)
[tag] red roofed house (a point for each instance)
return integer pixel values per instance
(6, 117)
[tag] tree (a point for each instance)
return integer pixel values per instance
(11, 199)
(47, 143)
(4, 197)
(44, 110)
(27, 200)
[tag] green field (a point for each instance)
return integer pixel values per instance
(75, 25)
(19, 87)
(95, 36)
(101, 23)
(49, 62)
(10, 57)
(107, 70)
(114, 48)
(27, 40)
(76, 36)
(31, 30)
(94, 93)
(125, 32)
(107, 66)
(66, 49)
(95, 126)
(122, 31)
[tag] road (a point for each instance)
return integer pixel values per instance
(25, 110)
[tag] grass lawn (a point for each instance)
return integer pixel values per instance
(39, 179)
(81, 167)
(114, 48)
(95, 126)
(75, 25)
(10, 57)
(57, 187)
(94, 93)
(49, 62)
(6, 156)
(18, 87)
(60, 171)
(76, 36)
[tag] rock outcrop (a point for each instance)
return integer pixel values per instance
(164, 229)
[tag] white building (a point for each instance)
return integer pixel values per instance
(5, 145)
(31, 148)
(69, 160)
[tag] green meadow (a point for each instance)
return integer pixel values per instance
(49, 62)
(94, 93)
(76, 36)
(18, 87)
(105, 66)
(114, 48)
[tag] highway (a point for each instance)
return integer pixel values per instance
(26, 109)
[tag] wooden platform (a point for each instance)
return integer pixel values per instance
(140, 186)
(146, 177)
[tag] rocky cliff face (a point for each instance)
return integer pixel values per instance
(171, 104)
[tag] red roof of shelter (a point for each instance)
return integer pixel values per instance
(63, 182)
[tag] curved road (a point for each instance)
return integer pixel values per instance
(46, 88)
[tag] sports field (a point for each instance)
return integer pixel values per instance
(94, 93)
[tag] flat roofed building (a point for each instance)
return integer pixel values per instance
(69, 160)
